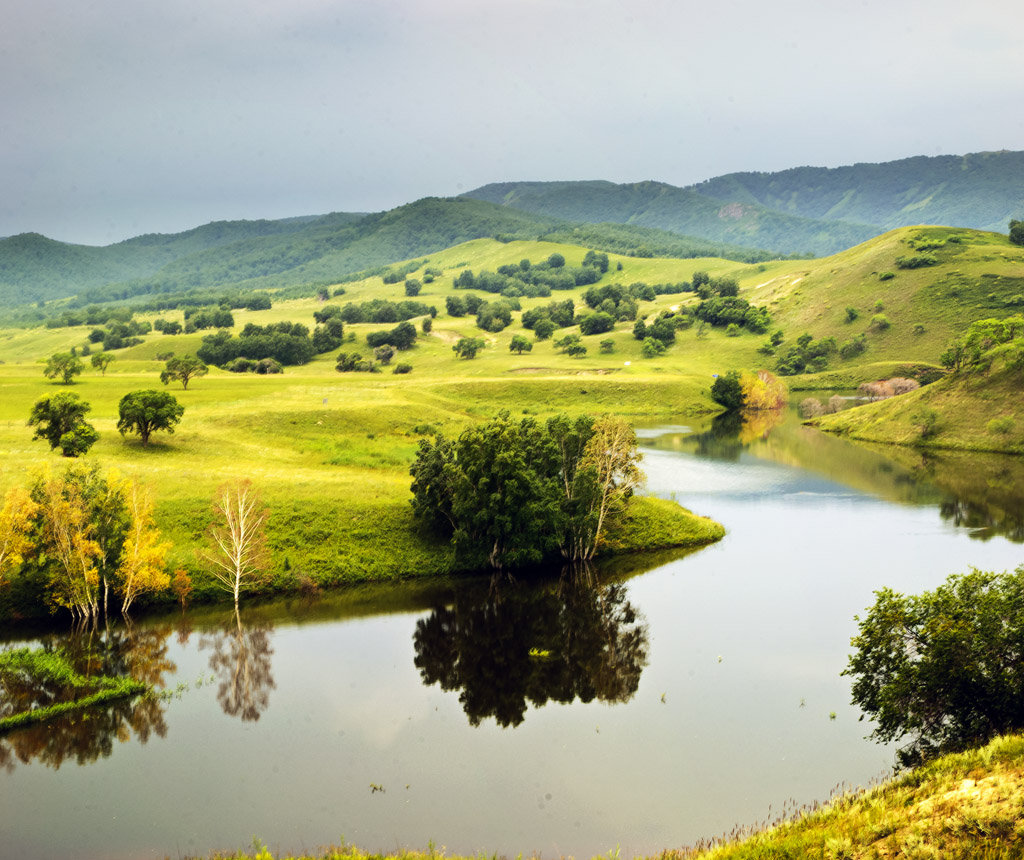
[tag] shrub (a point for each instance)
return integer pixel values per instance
(727, 391)
(880, 322)
(942, 668)
(651, 347)
(1002, 425)
(607, 346)
(402, 368)
(886, 276)
(919, 261)
(732, 330)
(852, 314)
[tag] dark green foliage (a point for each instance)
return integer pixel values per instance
(327, 312)
(943, 668)
(381, 311)
(727, 391)
(556, 261)
(886, 276)
(607, 346)
(597, 323)
(493, 316)
(468, 347)
(402, 368)
(720, 311)
(808, 355)
(920, 261)
(568, 342)
(197, 319)
(854, 347)
(485, 645)
(402, 337)
(427, 324)
(544, 328)
(145, 412)
(652, 347)
(520, 344)
(614, 299)
(640, 330)
(455, 306)
(413, 287)
(353, 361)
(328, 336)
(1017, 232)
(60, 420)
(560, 314)
(985, 342)
(287, 343)
(851, 314)
(597, 260)
(168, 326)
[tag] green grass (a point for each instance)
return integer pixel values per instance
(50, 670)
(331, 451)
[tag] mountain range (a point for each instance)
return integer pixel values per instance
(741, 216)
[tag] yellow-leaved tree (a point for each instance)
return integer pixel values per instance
(68, 539)
(15, 522)
(763, 390)
(142, 567)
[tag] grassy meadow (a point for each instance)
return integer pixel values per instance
(331, 452)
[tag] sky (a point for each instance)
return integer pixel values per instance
(122, 117)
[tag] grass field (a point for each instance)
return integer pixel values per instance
(331, 451)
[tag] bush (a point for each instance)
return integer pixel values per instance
(727, 391)
(919, 261)
(402, 368)
(880, 322)
(852, 314)
(886, 276)
(732, 330)
(942, 668)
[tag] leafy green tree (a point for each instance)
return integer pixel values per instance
(556, 261)
(597, 323)
(101, 361)
(183, 369)
(413, 287)
(607, 346)
(519, 344)
(543, 329)
(651, 347)
(60, 420)
(468, 347)
(145, 412)
(727, 391)
(1017, 232)
(943, 668)
(384, 353)
(66, 365)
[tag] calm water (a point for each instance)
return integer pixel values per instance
(662, 706)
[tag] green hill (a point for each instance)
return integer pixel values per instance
(982, 190)
(301, 251)
(678, 210)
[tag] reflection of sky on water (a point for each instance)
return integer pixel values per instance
(747, 639)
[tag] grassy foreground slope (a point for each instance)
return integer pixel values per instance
(964, 806)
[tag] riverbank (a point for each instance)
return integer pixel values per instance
(968, 412)
(960, 806)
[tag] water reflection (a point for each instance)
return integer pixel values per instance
(731, 433)
(516, 643)
(87, 735)
(241, 662)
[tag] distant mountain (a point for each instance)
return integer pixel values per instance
(315, 250)
(983, 190)
(679, 210)
(807, 209)
(33, 267)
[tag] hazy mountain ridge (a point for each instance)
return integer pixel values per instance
(981, 190)
(679, 210)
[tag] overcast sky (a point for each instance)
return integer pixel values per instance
(121, 117)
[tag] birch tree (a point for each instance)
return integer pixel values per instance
(15, 521)
(143, 556)
(238, 537)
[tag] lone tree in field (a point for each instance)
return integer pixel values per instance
(144, 412)
(185, 368)
(238, 534)
(60, 420)
(519, 344)
(101, 361)
(65, 365)
(468, 347)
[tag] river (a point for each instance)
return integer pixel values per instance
(646, 711)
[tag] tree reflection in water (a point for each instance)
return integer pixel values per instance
(516, 644)
(241, 661)
(87, 735)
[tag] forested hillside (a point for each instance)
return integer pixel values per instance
(679, 210)
(306, 251)
(982, 190)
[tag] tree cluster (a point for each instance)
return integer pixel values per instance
(402, 337)
(806, 356)
(943, 668)
(286, 342)
(376, 311)
(723, 310)
(510, 493)
(986, 342)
